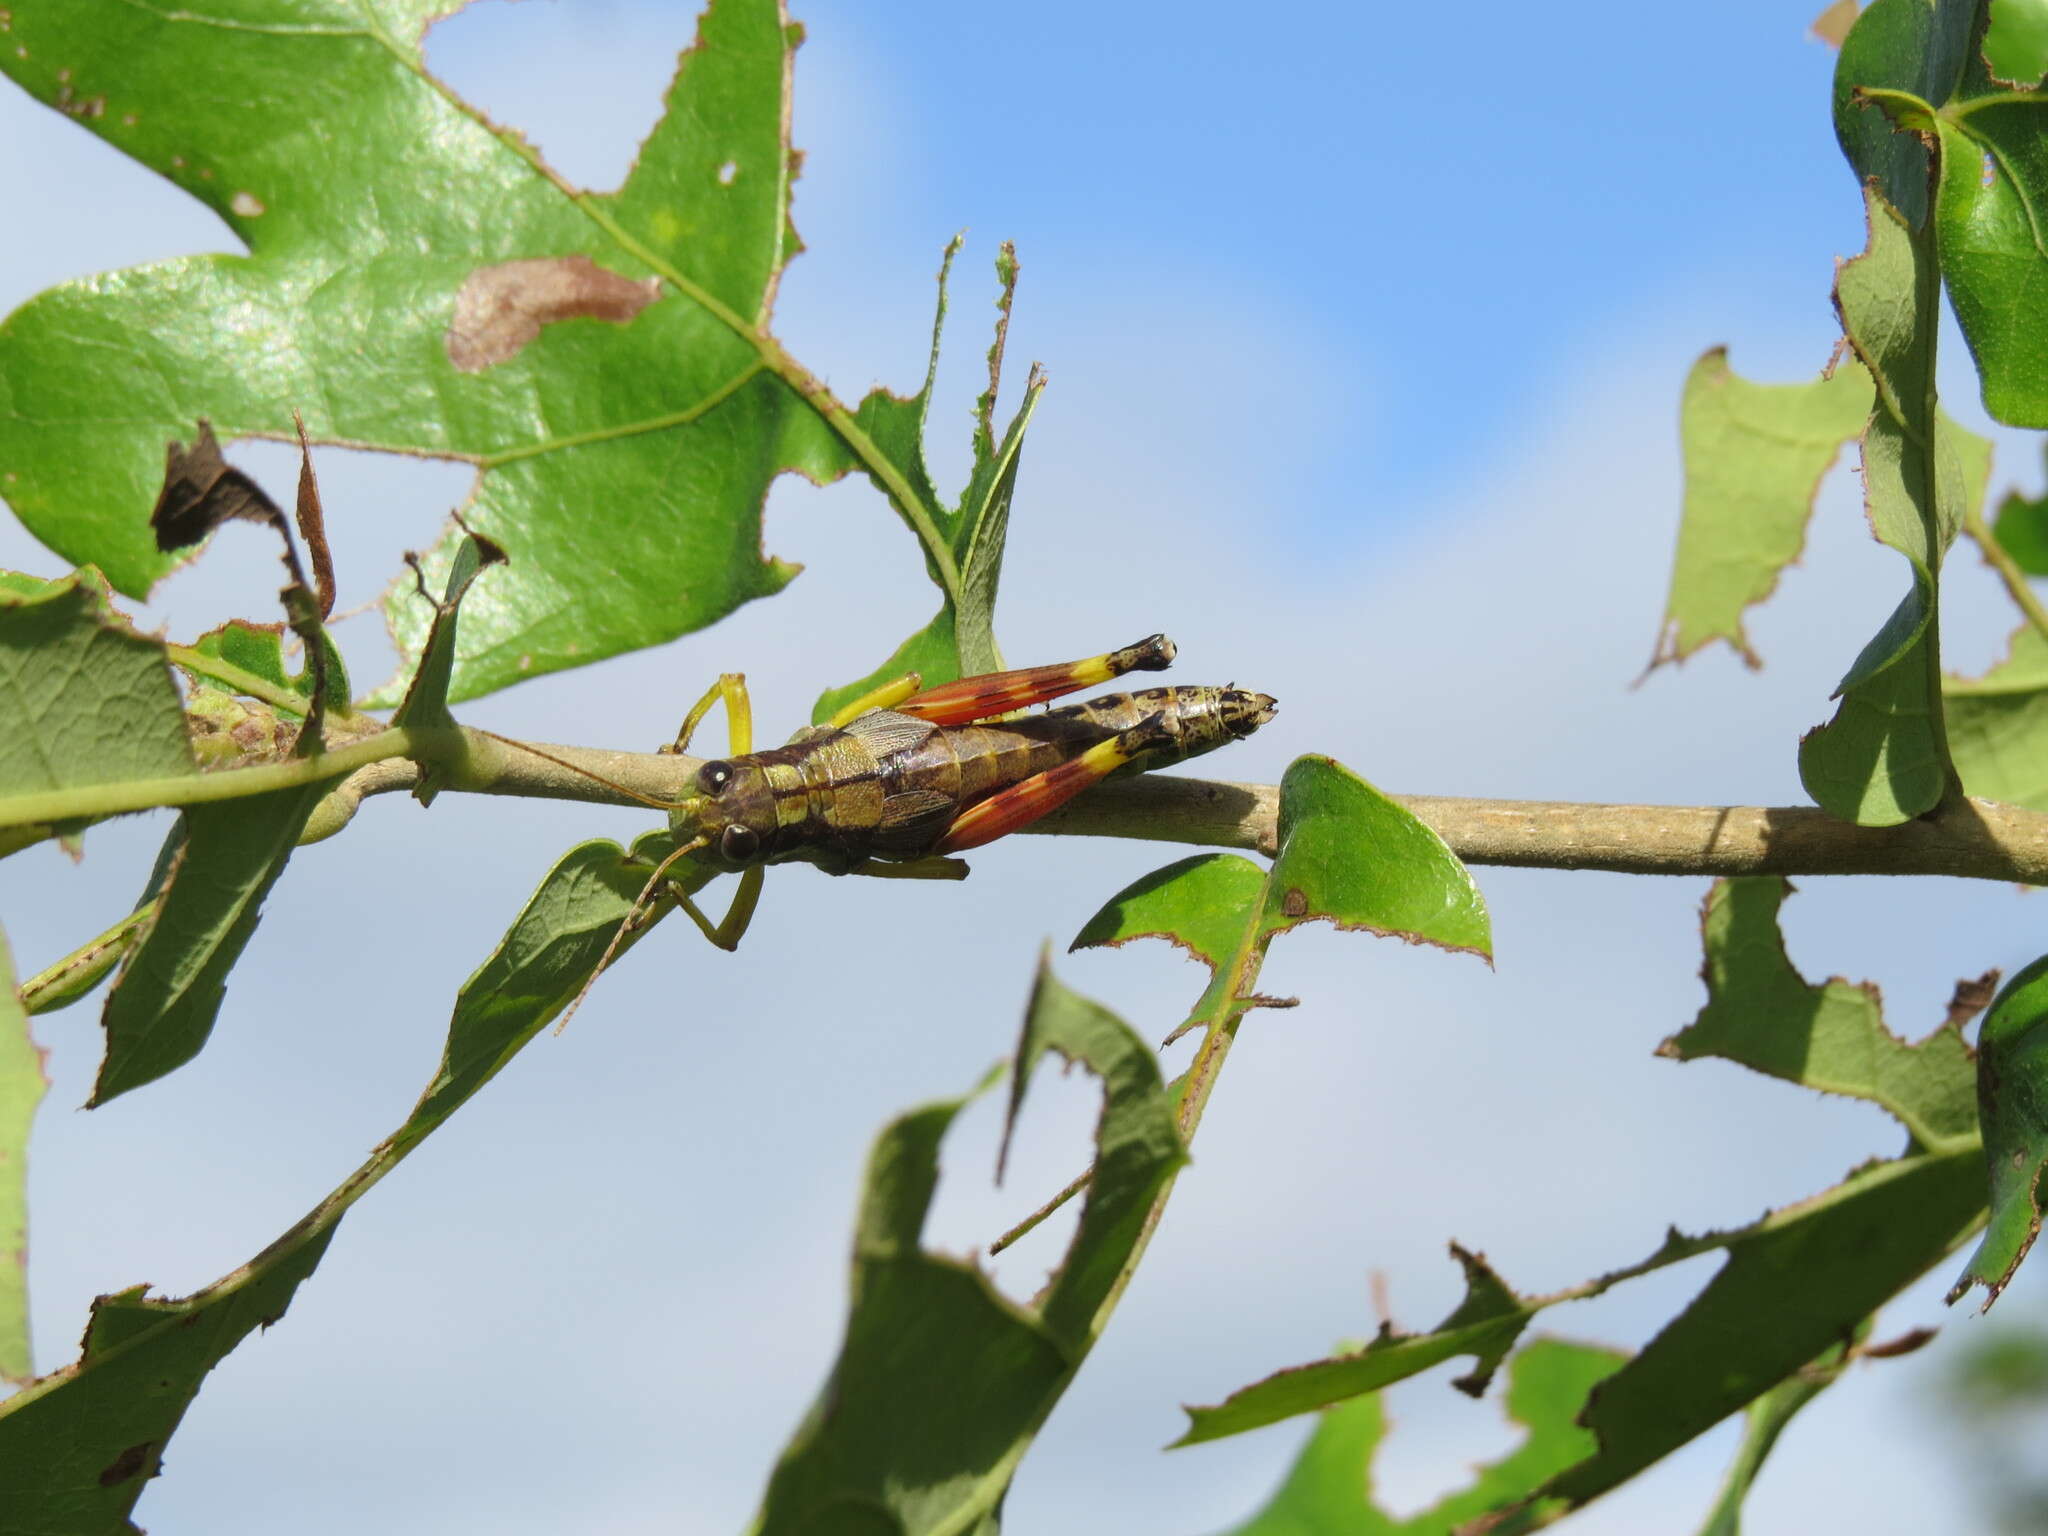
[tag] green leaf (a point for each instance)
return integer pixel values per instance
(1794, 1284)
(1991, 180)
(1919, 47)
(1329, 1490)
(2016, 41)
(2012, 1098)
(1883, 759)
(1763, 1421)
(22, 1085)
(1347, 855)
(1998, 724)
(1485, 1326)
(426, 697)
(1797, 1282)
(622, 451)
(258, 649)
(175, 972)
(959, 640)
(2021, 528)
(88, 700)
(78, 1446)
(942, 1382)
(1754, 456)
(1831, 1037)
(1988, 222)
(932, 652)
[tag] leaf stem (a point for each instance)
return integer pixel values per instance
(2000, 559)
(1970, 839)
(97, 800)
(246, 682)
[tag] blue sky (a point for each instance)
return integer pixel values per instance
(1366, 338)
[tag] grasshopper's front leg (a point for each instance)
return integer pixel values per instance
(739, 722)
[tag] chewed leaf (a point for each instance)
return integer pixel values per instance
(1347, 854)
(1329, 1490)
(1763, 1014)
(1199, 903)
(169, 992)
(1909, 80)
(258, 649)
(2016, 42)
(426, 697)
(1484, 1326)
(2012, 1096)
(22, 1085)
(942, 1382)
(1993, 189)
(1998, 724)
(68, 665)
(436, 290)
(1763, 1421)
(1883, 759)
(932, 653)
(1754, 457)
(1799, 1281)
(960, 640)
(78, 1447)
(2021, 528)
(1351, 856)
(1906, 45)
(1137, 1147)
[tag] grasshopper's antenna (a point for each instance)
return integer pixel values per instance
(579, 770)
(641, 905)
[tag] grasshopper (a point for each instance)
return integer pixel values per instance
(906, 776)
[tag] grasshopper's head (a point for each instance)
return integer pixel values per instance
(731, 807)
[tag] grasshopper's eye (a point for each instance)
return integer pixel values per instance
(739, 843)
(713, 777)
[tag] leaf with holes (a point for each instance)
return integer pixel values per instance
(604, 360)
(2012, 1097)
(942, 1382)
(1329, 1489)
(1348, 855)
(1908, 80)
(1883, 758)
(1754, 456)
(1484, 1326)
(960, 639)
(1831, 1037)
(1998, 724)
(78, 1447)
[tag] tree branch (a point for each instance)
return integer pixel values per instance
(1970, 839)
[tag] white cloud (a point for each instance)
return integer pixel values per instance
(623, 1267)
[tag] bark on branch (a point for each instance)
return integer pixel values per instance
(1971, 839)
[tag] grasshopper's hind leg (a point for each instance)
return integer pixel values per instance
(739, 715)
(997, 693)
(888, 696)
(1024, 802)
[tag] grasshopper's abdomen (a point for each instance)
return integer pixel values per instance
(1190, 721)
(928, 776)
